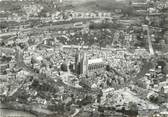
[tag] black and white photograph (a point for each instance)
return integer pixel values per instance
(83, 58)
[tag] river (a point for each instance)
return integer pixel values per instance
(13, 113)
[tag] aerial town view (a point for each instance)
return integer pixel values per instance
(83, 58)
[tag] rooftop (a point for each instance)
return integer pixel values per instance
(94, 61)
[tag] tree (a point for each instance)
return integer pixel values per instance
(133, 108)
(153, 99)
(43, 13)
(64, 67)
(108, 67)
(87, 100)
(3, 25)
(71, 67)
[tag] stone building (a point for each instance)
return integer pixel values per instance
(85, 66)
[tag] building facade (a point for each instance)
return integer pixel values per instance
(85, 66)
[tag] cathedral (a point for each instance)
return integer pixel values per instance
(85, 66)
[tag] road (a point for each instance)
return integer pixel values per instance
(8, 34)
(150, 42)
(75, 113)
(13, 113)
